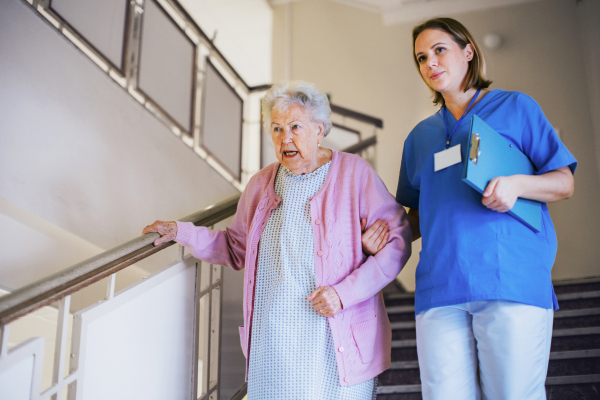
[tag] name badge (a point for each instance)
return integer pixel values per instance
(446, 158)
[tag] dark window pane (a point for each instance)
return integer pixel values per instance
(167, 64)
(222, 121)
(101, 23)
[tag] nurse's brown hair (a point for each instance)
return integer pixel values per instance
(475, 76)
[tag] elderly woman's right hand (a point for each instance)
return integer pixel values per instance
(375, 238)
(166, 229)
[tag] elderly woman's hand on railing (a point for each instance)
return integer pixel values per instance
(325, 301)
(166, 229)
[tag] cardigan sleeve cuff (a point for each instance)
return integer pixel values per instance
(346, 294)
(185, 233)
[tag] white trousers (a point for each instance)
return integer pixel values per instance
(496, 350)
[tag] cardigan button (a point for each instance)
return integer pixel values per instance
(318, 222)
(345, 379)
(341, 349)
(319, 253)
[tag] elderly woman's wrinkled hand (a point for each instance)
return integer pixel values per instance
(166, 229)
(325, 301)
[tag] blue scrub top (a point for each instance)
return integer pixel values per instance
(470, 253)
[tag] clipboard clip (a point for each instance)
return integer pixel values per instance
(474, 153)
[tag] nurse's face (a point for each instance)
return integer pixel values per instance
(443, 64)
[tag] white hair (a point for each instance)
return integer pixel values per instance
(285, 93)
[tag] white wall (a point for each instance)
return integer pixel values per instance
(79, 152)
(368, 67)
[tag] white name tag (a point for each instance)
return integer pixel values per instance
(446, 158)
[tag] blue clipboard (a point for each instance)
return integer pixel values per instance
(490, 155)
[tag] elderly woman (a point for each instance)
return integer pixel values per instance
(315, 325)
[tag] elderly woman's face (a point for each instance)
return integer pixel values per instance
(296, 138)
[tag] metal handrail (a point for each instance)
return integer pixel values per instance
(378, 122)
(63, 283)
(362, 145)
(54, 287)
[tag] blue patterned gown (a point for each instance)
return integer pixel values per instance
(292, 351)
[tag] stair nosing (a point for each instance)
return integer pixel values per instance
(578, 295)
(572, 379)
(399, 344)
(403, 365)
(398, 389)
(574, 354)
(403, 325)
(581, 312)
(592, 330)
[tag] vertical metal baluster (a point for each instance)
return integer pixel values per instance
(110, 286)
(206, 368)
(62, 328)
(4, 340)
(195, 344)
(220, 333)
(132, 43)
(180, 252)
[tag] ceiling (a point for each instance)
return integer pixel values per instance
(401, 11)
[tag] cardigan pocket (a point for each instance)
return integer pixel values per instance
(243, 340)
(365, 334)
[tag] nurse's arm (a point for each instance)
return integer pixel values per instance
(413, 221)
(502, 192)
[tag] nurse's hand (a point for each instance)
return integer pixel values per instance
(325, 301)
(501, 193)
(166, 229)
(375, 238)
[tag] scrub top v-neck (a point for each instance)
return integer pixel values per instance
(471, 253)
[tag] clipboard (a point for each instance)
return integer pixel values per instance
(490, 155)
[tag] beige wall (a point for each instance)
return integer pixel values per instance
(368, 67)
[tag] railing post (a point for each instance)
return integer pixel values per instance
(4, 340)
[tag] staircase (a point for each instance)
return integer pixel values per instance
(574, 369)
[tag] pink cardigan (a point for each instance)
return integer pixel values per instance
(352, 190)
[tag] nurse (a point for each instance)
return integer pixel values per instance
(484, 299)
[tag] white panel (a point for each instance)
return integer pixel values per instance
(166, 64)
(20, 371)
(222, 121)
(102, 23)
(340, 138)
(139, 344)
(15, 382)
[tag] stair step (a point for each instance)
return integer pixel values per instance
(580, 285)
(583, 342)
(590, 391)
(404, 334)
(574, 366)
(577, 322)
(396, 377)
(404, 354)
(551, 381)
